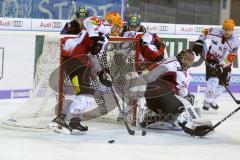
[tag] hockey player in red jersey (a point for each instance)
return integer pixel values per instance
(85, 47)
(167, 92)
(219, 59)
(134, 23)
(152, 47)
(76, 25)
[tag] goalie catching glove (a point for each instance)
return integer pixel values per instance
(105, 77)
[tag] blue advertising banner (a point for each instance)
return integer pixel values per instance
(198, 83)
(57, 9)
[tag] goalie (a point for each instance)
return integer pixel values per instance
(171, 77)
(85, 48)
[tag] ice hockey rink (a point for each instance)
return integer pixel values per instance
(223, 144)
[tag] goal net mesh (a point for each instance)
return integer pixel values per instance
(120, 56)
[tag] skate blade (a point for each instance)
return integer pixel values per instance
(77, 132)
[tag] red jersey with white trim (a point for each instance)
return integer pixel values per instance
(149, 50)
(221, 49)
(79, 46)
(170, 69)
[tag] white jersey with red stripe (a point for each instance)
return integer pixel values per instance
(170, 67)
(149, 50)
(220, 48)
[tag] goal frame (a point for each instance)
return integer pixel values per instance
(61, 96)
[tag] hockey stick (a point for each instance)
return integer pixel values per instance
(237, 101)
(224, 119)
(130, 131)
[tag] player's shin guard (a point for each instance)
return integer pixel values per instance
(209, 98)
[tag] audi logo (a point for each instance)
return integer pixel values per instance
(57, 24)
(162, 28)
(17, 23)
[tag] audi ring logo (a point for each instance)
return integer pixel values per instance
(163, 28)
(56, 24)
(17, 23)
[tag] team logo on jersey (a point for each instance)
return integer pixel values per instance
(95, 20)
(231, 57)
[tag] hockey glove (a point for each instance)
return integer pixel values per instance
(197, 129)
(97, 45)
(105, 77)
(217, 68)
(198, 47)
(96, 48)
(157, 42)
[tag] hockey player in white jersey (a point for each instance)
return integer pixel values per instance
(219, 58)
(167, 89)
(85, 48)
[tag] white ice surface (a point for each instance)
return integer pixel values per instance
(223, 144)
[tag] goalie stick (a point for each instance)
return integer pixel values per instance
(130, 131)
(224, 119)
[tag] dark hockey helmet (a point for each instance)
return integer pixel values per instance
(134, 19)
(186, 58)
(82, 12)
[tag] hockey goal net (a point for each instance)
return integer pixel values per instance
(120, 56)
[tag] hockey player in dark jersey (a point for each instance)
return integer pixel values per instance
(76, 25)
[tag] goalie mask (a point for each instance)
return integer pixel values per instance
(186, 58)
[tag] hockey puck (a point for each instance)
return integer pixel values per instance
(144, 133)
(111, 141)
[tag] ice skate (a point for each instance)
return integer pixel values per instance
(60, 120)
(75, 124)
